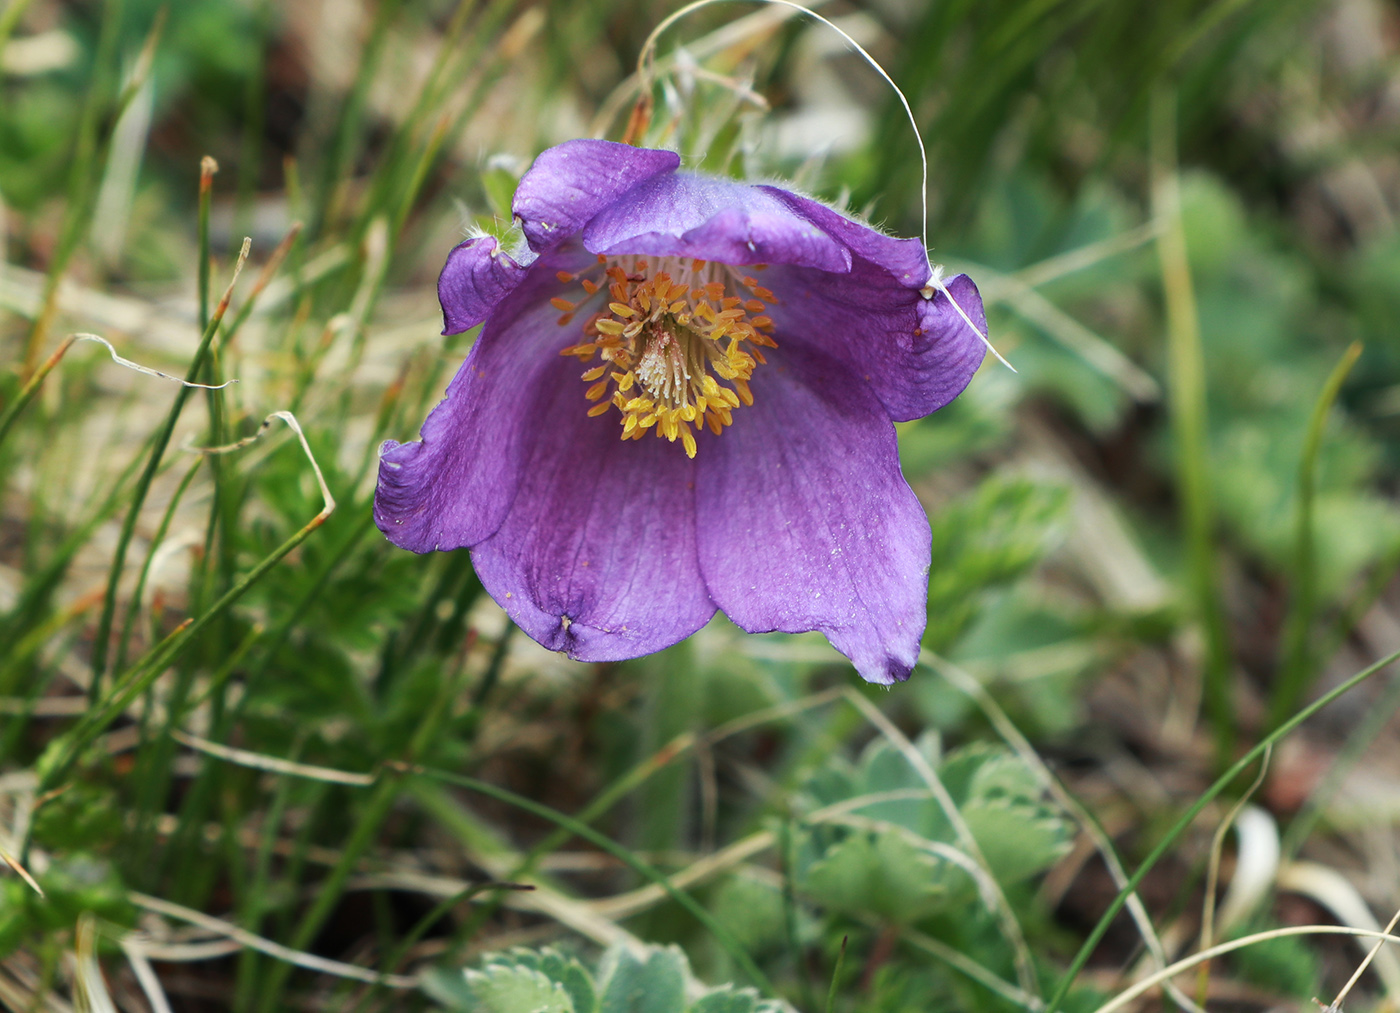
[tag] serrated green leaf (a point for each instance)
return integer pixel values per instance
(884, 874)
(628, 985)
(726, 999)
(557, 967)
(753, 911)
(572, 976)
(515, 989)
(1018, 841)
(985, 540)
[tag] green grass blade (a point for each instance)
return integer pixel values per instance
(1187, 398)
(1179, 827)
(626, 856)
(1298, 657)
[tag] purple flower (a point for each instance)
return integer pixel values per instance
(729, 445)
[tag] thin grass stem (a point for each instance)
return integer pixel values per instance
(1179, 827)
(64, 752)
(721, 934)
(101, 640)
(1187, 402)
(1185, 964)
(1299, 660)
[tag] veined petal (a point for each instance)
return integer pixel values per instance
(453, 486)
(916, 354)
(903, 259)
(573, 181)
(712, 219)
(597, 554)
(808, 522)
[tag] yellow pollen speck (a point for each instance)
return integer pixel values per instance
(679, 341)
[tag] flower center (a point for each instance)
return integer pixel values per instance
(671, 331)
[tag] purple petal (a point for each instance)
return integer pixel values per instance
(712, 219)
(808, 523)
(573, 181)
(454, 486)
(917, 354)
(476, 277)
(597, 554)
(903, 259)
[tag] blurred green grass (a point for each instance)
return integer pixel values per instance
(1068, 576)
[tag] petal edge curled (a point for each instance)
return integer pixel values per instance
(476, 277)
(453, 487)
(916, 354)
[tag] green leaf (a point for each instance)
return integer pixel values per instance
(726, 999)
(884, 874)
(983, 541)
(572, 976)
(632, 986)
(447, 987)
(515, 989)
(558, 967)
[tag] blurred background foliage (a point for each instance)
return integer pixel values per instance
(1156, 539)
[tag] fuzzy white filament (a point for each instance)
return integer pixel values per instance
(646, 62)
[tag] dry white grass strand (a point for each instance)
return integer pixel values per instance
(306, 961)
(328, 500)
(272, 764)
(127, 363)
(1341, 996)
(145, 975)
(1185, 964)
(993, 896)
(90, 993)
(968, 684)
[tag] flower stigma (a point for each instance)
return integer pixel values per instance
(672, 329)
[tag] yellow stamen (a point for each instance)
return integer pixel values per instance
(679, 341)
